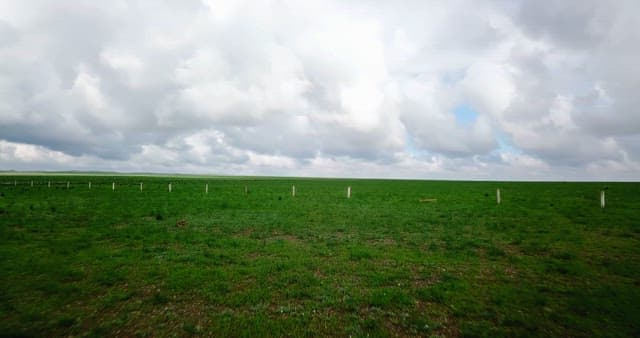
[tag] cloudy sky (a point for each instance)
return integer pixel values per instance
(360, 88)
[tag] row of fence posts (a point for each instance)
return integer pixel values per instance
(293, 190)
(206, 187)
(602, 198)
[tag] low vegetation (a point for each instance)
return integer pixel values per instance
(399, 258)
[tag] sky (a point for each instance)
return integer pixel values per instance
(464, 90)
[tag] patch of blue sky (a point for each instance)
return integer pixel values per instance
(412, 149)
(465, 115)
(505, 145)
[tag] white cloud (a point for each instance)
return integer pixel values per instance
(322, 88)
(29, 153)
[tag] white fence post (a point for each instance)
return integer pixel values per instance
(293, 191)
(113, 186)
(349, 192)
(49, 184)
(140, 186)
(246, 189)
(89, 185)
(602, 199)
(206, 188)
(498, 195)
(169, 187)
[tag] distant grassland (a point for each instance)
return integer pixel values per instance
(400, 258)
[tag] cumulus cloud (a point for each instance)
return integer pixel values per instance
(322, 88)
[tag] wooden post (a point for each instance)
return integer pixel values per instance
(113, 186)
(169, 187)
(602, 199)
(206, 188)
(140, 186)
(293, 191)
(498, 195)
(349, 192)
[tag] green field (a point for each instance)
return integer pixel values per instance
(400, 258)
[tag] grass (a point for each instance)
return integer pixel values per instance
(400, 258)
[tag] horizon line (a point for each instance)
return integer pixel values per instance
(222, 176)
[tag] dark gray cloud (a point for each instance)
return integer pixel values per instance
(572, 24)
